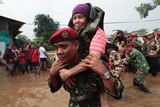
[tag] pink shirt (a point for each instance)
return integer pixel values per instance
(98, 42)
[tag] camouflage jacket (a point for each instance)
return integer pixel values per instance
(138, 61)
(87, 88)
(144, 48)
(137, 46)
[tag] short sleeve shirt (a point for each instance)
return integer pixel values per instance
(98, 42)
(35, 56)
(41, 51)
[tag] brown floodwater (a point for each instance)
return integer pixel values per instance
(29, 90)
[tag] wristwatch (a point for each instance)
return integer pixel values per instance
(106, 75)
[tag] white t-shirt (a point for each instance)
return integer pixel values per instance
(41, 51)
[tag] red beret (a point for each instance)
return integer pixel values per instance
(63, 34)
(130, 44)
(133, 35)
(144, 36)
(157, 33)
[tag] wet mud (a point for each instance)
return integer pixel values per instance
(29, 90)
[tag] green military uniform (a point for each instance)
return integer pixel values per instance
(137, 46)
(144, 48)
(140, 65)
(87, 89)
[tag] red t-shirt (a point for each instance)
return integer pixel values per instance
(34, 54)
(22, 57)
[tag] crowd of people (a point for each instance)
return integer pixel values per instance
(139, 54)
(24, 59)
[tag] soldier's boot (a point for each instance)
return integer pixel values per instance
(143, 88)
(140, 86)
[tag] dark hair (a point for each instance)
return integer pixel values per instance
(119, 31)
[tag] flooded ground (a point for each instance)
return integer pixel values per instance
(29, 90)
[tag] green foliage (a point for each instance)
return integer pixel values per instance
(140, 31)
(156, 29)
(45, 26)
(21, 40)
(156, 2)
(144, 8)
(39, 40)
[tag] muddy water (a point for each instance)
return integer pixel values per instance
(33, 91)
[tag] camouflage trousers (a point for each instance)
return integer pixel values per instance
(140, 76)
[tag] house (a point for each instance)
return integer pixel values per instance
(9, 28)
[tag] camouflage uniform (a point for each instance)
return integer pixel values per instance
(137, 46)
(86, 91)
(144, 48)
(139, 64)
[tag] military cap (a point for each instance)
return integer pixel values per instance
(144, 36)
(157, 33)
(133, 35)
(130, 44)
(63, 34)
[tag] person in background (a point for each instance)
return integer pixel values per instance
(158, 45)
(152, 54)
(122, 48)
(137, 43)
(16, 62)
(28, 58)
(34, 54)
(84, 87)
(144, 44)
(43, 57)
(9, 57)
(119, 37)
(22, 60)
(140, 65)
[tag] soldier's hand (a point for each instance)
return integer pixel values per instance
(56, 67)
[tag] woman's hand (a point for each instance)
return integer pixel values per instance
(94, 63)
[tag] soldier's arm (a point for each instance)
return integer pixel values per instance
(54, 81)
(112, 86)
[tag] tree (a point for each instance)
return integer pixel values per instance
(156, 29)
(20, 40)
(144, 8)
(45, 26)
(37, 42)
(140, 31)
